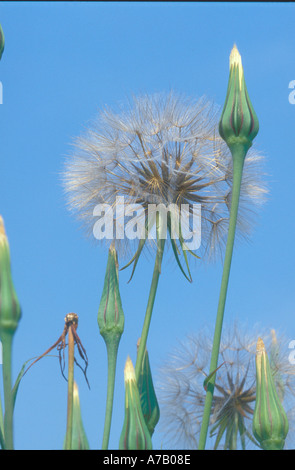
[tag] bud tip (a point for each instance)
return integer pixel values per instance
(260, 348)
(2, 229)
(3, 237)
(235, 60)
(129, 372)
(75, 391)
(235, 57)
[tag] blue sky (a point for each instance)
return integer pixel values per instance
(62, 62)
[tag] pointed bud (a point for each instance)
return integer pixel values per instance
(238, 124)
(270, 423)
(79, 438)
(135, 434)
(2, 41)
(148, 399)
(10, 311)
(110, 313)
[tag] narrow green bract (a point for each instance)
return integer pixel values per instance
(135, 434)
(270, 423)
(148, 399)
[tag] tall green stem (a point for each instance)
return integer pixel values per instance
(112, 350)
(110, 320)
(7, 338)
(238, 162)
(71, 352)
(150, 305)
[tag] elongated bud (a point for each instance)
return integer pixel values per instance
(2, 41)
(270, 423)
(135, 434)
(79, 438)
(110, 313)
(238, 125)
(10, 311)
(148, 399)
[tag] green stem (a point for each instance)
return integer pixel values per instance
(1, 423)
(112, 351)
(150, 305)
(71, 352)
(7, 338)
(2, 442)
(238, 162)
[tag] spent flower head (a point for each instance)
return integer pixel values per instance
(181, 394)
(162, 149)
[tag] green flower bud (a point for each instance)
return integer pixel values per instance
(79, 439)
(2, 41)
(135, 434)
(238, 124)
(110, 313)
(270, 423)
(10, 311)
(148, 399)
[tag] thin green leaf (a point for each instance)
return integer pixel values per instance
(182, 244)
(221, 425)
(205, 383)
(175, 251)
(242, 432)
(18, 379)
(20, 376)
(228, 436)
(2, 441)
(135, 258)
(234, 434)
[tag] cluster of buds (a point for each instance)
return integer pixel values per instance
(270, 423)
